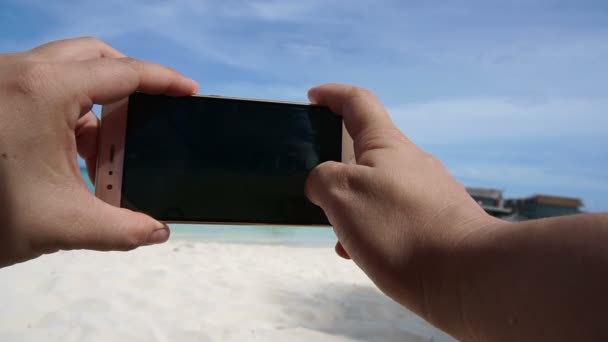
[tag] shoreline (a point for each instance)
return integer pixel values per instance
(320, 237)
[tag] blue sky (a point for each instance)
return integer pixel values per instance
(509, 94)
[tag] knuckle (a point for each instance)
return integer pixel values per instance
(99, 43)
(320, 175)
(358, 92)
(31, 77)
(130, 69)
(132, 62)
(133, 65)
(431, 160)
(379, 138)
(92, 39)
(129, 62)
(341, 185)
(332, 181)
(129, 245)
(134, 239)
(343, 178)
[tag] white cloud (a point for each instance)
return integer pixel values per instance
(481, 119)
(266, 35)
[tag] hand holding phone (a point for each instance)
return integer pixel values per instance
(46, 97)
(216, 160)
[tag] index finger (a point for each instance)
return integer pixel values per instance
(107, 80)
(75, 49)
(365, 118)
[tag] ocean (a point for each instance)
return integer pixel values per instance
(292, 236)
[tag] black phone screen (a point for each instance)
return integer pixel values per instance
(208, 159)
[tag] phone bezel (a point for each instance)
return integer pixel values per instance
(110, 157)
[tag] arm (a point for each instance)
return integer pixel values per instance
(415, 231)
(542, 280)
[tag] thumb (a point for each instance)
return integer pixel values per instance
(100, 226)
(333, 186)
(341, 251)
(329, 183)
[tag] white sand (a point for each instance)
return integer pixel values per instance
(186, 291)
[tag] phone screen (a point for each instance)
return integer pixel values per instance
(222, 160)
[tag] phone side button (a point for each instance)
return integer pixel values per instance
(112, 151)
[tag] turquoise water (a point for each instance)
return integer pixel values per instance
(298, 236)
(293, 236)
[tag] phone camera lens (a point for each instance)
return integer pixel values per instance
(109, 187)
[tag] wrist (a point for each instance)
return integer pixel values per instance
(446, 286)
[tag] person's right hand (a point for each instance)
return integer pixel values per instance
(397, 212)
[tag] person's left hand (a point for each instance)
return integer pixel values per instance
(46, 97)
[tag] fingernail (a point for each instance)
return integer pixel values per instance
(158, 236)
(195, 86)
(311, 96)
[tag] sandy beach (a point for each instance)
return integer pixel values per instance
(197, 291)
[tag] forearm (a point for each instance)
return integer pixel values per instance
(535, 280)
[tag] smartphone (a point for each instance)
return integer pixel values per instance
(211, 159)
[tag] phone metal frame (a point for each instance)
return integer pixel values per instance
(110, 155)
